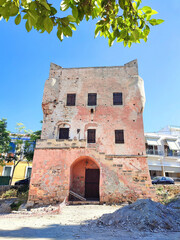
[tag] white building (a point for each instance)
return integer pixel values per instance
(163, 151)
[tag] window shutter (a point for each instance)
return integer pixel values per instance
(92, 99)
(71, 99)
(91, 136)
(64, 133)
(117, 98)
(119, 136)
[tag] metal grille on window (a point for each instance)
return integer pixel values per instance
(91, 136)
(117, 98)
(71, 99)
(64, 133)
(92, 99)
(119, 136)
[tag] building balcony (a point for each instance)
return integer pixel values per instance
(172, 154)
(60, 144)
(154, 152)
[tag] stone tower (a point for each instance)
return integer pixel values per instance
(92, 141)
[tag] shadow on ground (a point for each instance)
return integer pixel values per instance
(88, 232)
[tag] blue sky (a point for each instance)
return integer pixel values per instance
(25, 59)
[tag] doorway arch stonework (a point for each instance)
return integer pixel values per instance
(85, 177)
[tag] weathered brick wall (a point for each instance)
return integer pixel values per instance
(121, 179)
(123, 167)
(106, 117)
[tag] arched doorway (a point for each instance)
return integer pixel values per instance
(85, 176)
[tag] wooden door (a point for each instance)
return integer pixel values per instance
(92, 184)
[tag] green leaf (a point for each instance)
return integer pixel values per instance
(98, 28)
(33, 16)
(71, 18)
(159, 21)
(53, 10)
(75, 12)
(123, 33)
(28, 25)
(153, 12)
(60, 34)
(154, 22)
(45, 5)
(146, 30)
(2, 2)
(13, 11)
(72, 26)
(25, 16)
(48, 24)
(110, 41)
(64, 5)
(17, 19)
(65, 21)
(147, 9)
(67, 31)
(135, 34)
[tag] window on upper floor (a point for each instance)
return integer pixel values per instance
(117, 98)
(64, 133)
(92, 99)
(119, 136)
(12, 147)
(71, 99)
(91, 135)
(152, 150)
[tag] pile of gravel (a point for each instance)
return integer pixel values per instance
(175, 203)
(144, 215)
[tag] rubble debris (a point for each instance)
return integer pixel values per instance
(175, 203)
(144, 215)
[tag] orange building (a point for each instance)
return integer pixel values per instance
(92, 141)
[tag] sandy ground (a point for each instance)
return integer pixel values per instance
(74, 222)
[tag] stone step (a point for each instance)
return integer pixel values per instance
(84, 202)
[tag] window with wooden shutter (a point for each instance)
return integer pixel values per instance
(91, 135)
(117, 98)
(119, 136)
(71, 99)
(64, 133)
(92, 98)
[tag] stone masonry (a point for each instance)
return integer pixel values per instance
(61, 165)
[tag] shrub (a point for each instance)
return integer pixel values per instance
(10, 193)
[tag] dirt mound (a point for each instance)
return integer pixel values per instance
(144, 215)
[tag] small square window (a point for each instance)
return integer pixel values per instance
(117, 98)
(91, 135)
(119, 136)
(64, 133)
(71, 99)
(92, 99)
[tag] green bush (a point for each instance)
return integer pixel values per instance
(10, 193)
(15, 205)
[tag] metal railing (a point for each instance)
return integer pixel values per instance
(153, 152)
(172, 154)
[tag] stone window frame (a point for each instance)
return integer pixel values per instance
(62, 125)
